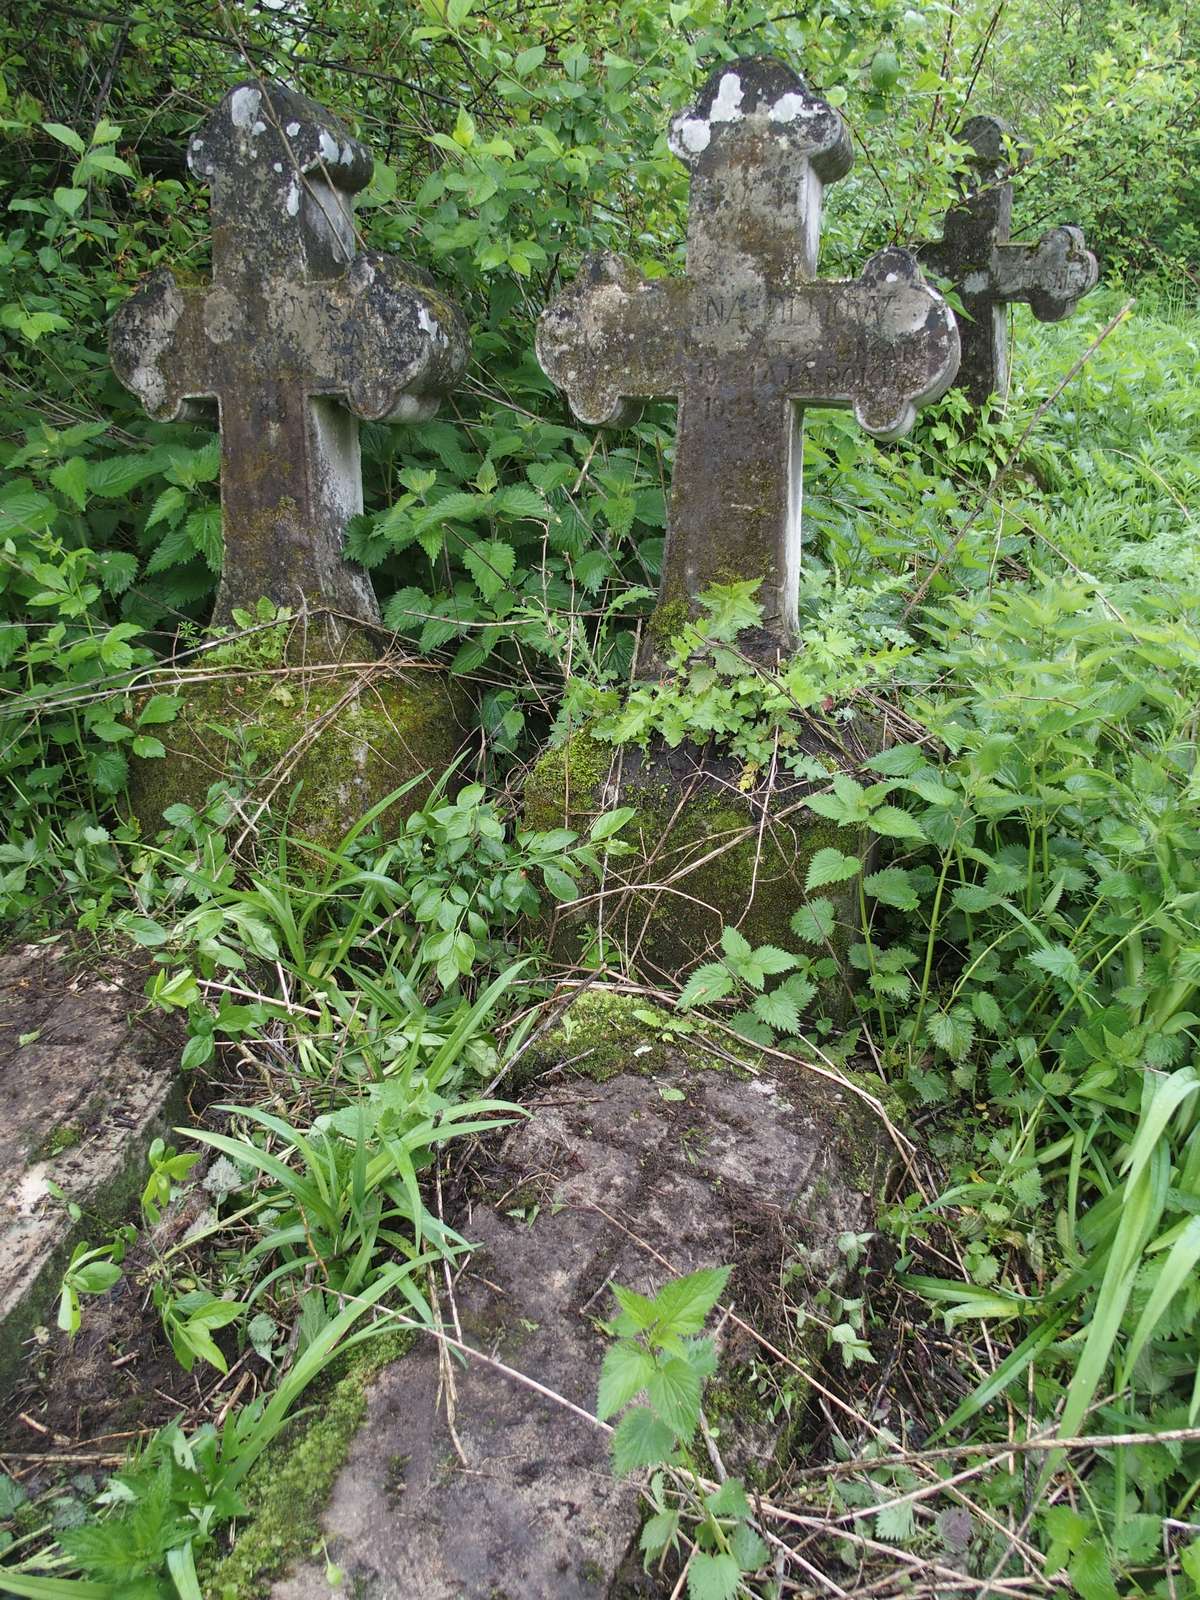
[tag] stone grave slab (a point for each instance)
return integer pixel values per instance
(741, 1170)
(85, 1085)
(990, 272)
(748, 339)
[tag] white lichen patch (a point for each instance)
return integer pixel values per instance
(292, 202)
(791, 107)
(293, 128)
(975, 283)
(695, 133)
(243, 106)
(327, 145)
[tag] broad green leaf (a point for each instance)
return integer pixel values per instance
(713, 1577)
(892, 887)
(893, 823)
(70, 478)
(684, 1303)
(710, 982)
(159, 708)
(528, 60)
(640, 1440)
(674, 1393)
(777, 1010)
(490, 563)
(813, 922)
(65, 135)
(830, 866)
(627, 1370)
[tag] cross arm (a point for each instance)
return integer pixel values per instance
(1052, 275)
(613, 339)
(160, 351)
(392, 343)
(884, 344)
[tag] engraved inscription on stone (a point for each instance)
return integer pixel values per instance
(295, 339)
(749, 337)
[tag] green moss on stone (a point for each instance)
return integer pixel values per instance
(65, 1137)
(566, 787)
(289, 1487)
(247, 723)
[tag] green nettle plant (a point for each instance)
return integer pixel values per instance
(654, 1374)
(710, 690)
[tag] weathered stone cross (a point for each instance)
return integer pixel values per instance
(1051, 276)
(295, 338)
(749, 337)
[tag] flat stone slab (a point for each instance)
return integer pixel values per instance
(535, 1513)
(84, 1088)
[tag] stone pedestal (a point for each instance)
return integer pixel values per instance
(706, 854)
(320, 743)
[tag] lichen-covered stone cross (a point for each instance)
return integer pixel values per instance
(748, 338)
(990, 273)
(295, 338)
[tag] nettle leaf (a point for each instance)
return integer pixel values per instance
(892, 887)
(713, 1577)
(640, 1440)
(973, 897)
(167, 507)
(813, 922)
(953, 1031)
(118, 569)
(713, 981)
(830, 866)
(627, 1370)
(1058, 961)
(174, 547)
(203, 529)
(114, 476)
(684, 1303)
(893, 823)
(777, 1010)
(70, 478)
(674, 1393)
(518, 500)
(987, 1010)
(895, 1523)
(108, 770)
(491, 564)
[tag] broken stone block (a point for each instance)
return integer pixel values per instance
(85, 1085)
(668, 1166)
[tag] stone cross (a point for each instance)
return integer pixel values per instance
(989, 272)
(295, 338)
(749, 337)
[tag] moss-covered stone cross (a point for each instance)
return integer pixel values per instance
(989, 272)
(295, 338)
(749, 337)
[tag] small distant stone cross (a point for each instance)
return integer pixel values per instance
(295, 338)
(989, 272)
(749, 337)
